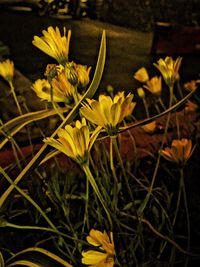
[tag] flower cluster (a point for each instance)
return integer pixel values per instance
(64, 78)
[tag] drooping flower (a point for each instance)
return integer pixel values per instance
(7, 70)
(105, 255)
(75, 142)
(169, 69)
(53, 44)
(154, 85)
(180, 151)
(141, 75)
(107, 112)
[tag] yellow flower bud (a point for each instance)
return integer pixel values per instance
(7, 70)
(141, 75)
(141, 92)
(83, 75)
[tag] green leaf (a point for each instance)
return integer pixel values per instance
(38, 256)
(2, 264)
(26, 263)
(13, 126)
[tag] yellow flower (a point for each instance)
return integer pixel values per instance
(53, 44)
(83, 75)
(104, 256)
(180, 151)
(141, 75)
(141, 92)
(43, 90)
(75, 142)
(190, 86)
(154, 85)
(149, 127)
(169, 69)
(7, 70)
(108, 112)
(62, 86)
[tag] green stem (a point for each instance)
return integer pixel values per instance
(112, 167)
(178, 202)
(179, 88)
(86, 218)
(146, 107)
(57, 111)
(27, 197)
(15, 97)
(146, 200)
(187, 212)
(54, 105)
(75, 95)
(37, 228)
(122, 167)
(96, 190)
(157, 108)
(161, 103)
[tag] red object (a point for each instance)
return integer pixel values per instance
(172, 38)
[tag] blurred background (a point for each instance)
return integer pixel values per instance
(138, 33)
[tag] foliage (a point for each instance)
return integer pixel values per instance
(85, 202)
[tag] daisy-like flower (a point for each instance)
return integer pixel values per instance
(7, 70)
(104, 256)
(75, 142)
(169, 69)
(108, 112)
(53, 44)
(180, 151)
(141, 75)
(154, 85)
